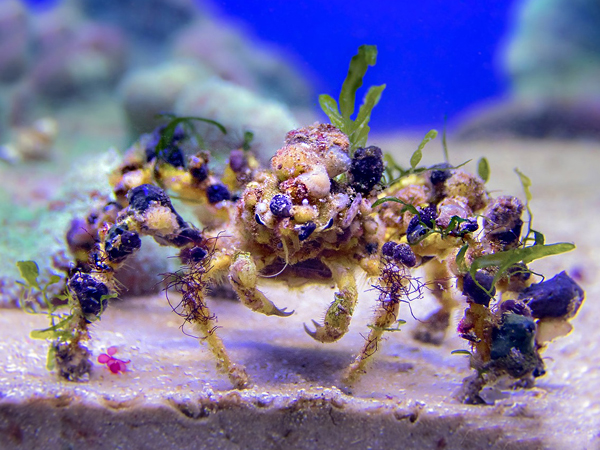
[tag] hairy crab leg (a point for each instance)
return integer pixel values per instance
(339, 313)
(394, 284)
(191, 283)
(243, 276)
(150, 213)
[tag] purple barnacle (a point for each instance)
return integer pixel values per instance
(559, 297)
(388, 248)
(193, 255)
(428, 215)
(90, 293)
(469, 226)
(513, 345)
(281, 206)
(305, 230)
(515, 306)
(199, 173)
(404, 255)
(371, 247)
(440, 173)
(130, 241)
(480, 292)
(142, 196)
(217, 193)
(238, 161)
(503, 220)
(197, 254)
(172, 155)
(421, 224)
(186, 236)
(120, 243)
(366, 168)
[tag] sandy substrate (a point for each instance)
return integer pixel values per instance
(172, 396)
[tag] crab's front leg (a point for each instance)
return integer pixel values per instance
(191, 283)
(243, 276)
(394, 285)
(339, 313)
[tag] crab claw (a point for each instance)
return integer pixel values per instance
(324, 333)
(280, 312)
(314, 334)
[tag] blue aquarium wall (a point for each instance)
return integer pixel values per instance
(436, 57)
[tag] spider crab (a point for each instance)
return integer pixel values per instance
(314, 208)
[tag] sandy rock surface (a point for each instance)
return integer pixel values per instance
(172, 396)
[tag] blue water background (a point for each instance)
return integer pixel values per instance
(437, 57)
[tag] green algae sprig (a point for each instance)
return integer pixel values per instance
(358, 129)
(69, 318)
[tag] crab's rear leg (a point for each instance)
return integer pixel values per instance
(433, 329)
(243, 276)
(394, 285)
(339, 313)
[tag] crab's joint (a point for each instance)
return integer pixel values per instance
(243, 276)
(339, 313)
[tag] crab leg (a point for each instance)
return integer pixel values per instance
(192, 283)
(393, 284)
(339, 313)
(433, 329)
(243, 276)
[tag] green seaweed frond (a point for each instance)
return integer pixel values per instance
(461, 352)
(60, 329)
(406, 207)
(508, 258)
(187, 122)
(394, 172)
(248, 138)
(63, 319)
(358, 129)
(483, 169)
(525, 254)
(398, 323)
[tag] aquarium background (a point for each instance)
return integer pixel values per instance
(437, 58)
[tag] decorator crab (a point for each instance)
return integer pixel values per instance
(329, 204)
